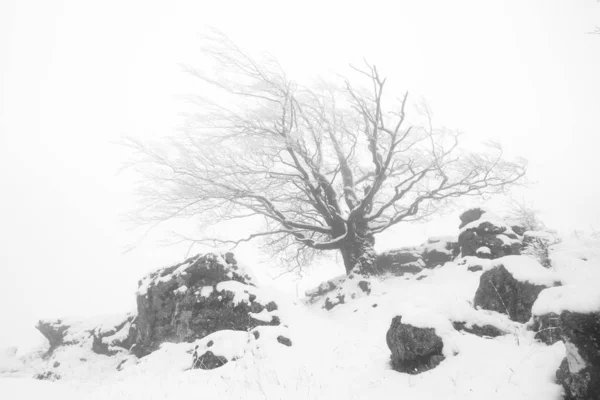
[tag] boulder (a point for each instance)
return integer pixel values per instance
(439, 250)
(482, 331)
(414, 350)
(499, 291)
(313, 295)
(204, 294)
(399, 262)
(106, 337)
(208, 360)
(579, 373)
(352, 287)
(546, 328)
(470, 215)
(411, 260)
(487, 236)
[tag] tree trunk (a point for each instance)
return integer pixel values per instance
(358, 249)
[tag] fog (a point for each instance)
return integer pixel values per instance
(79, 76)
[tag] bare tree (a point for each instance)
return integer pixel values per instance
(525, 216)
(324, 168)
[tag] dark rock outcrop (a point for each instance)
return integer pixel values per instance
(470, 215)
(579, 373)
(106, 340)
(226, 346)
(208, 360)
(483, 331)
(414, 350)
(284, 341)
(411, 260)
(191, 300)
(487, 239)
(546, 328)
(400, 262)
(439, 250)
(499, 291)
(323, 289)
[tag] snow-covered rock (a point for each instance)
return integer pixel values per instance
(103, 335)
(219, 348)
(579, 373)
(511, 285)
(205, 294)
(412, 260)
(414, 349)
(484, 234)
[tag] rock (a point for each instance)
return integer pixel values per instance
(546, 328)
(365, 286)
(193, 299)
(331, 302)
(489, 238)
(499, 291)
(208, 361)
(518, 229)
(324, 288)
(579, 373)
(400, 262)
(47, 376)
(226, 346)
(414, 350)
(486, 330)
(472, 214)
(439, 250)
(284, 341)
(102, 337)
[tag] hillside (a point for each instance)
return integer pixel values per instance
(336, 343)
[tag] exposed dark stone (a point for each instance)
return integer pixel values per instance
(166, 314)
(255, 333)
(283, 340)
(433, 258)
(365, 286)
(230, 258)
(499, 291)
(324, 288)
(519, 230)
(209, 361)
(470, 215)
(498, 239)
(399, 262)
(579, 373)
(56, 364)
(329, 304)
(546, 328)
(470, 241)
(374, 306)
(56, 330)
(414, 350)
(475, 268)
(486, 330)
(47, 376)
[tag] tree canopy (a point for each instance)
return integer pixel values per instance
(325, 167)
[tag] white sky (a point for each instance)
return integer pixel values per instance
(76, 76)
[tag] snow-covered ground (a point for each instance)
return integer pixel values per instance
(342, 353)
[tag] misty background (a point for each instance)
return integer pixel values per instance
(79, 76)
